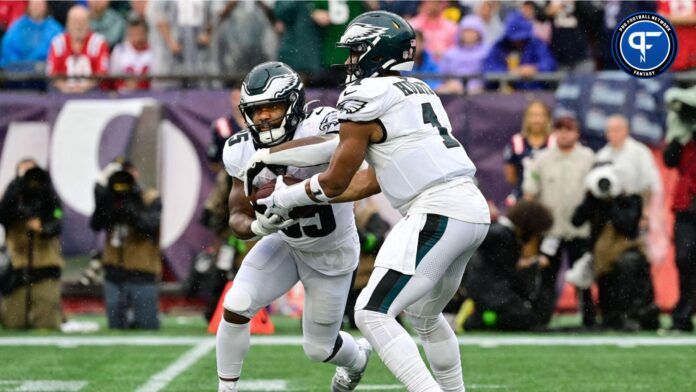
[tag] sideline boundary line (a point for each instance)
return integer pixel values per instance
(482, 341)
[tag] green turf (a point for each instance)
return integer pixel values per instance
(508, 368)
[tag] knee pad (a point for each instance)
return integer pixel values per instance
(317, 351)
(424, 326)
(238, 301)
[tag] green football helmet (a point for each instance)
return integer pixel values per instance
(385, 42)
(268, 83)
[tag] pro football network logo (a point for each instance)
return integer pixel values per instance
(644, 45)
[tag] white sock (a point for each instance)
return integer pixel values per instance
(232, 342)
(349, 355)
(442, 349)
(397, 350)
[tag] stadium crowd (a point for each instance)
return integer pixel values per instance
(459, 38)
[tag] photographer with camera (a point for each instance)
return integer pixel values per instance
(620, 266)
(30, 212)
(131, 256)
(503, 277)
(681, 154)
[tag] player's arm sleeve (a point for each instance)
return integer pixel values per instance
(304, 152)
(310, 151)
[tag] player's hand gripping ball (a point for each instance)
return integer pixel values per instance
(267, 189)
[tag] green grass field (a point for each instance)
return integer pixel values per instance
(181, 357)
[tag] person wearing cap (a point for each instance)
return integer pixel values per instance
(556, 179)
(520, 53)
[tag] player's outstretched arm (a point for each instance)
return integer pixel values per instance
(364, 184)
(303, 152)
(350, 153)
(307, 151)
(322, 187)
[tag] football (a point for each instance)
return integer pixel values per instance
(267, 189)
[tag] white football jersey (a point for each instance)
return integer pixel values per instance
(418, 157)
(334, 225)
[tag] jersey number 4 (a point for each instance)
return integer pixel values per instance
(429, 117)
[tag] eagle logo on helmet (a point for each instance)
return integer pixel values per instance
(290, 81)
(350, 106)
(361, 32)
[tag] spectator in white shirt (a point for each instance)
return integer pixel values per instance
(633, 161)
(133, 56)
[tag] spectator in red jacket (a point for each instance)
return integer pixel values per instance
(682, 14)
(133, 56)
(9, 12)
(77, 52)
(683, 157)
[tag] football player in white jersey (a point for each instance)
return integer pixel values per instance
(398, 125)
(320, 250)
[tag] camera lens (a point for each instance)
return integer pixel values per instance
(604, 185)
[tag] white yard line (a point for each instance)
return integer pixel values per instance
(482, 341)
(160, 380)
(42, 385)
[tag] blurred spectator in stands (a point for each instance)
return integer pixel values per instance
(681, 154)
(59, 10)
(244, 37)
(501, 276)
(572, 21)
(633, 161)
(489, 12)
(682, 15)
(300, 38)
(406, 9)
(555, 178)
(439, 33)
(131, 257)
(10, 11)
(541, 27)
(518, 153)
(30, 211)
(133, 56)
(180, 37)
(333, 17)
(77, 52)
(614, 12)
(466, 57)
(423, 62)
(618, 262)
(520, 53)
(26, 43)
(106, 21)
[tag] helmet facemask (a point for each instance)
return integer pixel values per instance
(275, 130)
(272, 83)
